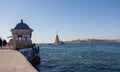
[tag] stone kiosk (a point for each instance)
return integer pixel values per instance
(21, 35)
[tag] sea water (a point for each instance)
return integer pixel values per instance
(80, 57)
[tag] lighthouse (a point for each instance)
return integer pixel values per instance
(21, 35)
(57, 41)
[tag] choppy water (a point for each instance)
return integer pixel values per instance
(82, 57)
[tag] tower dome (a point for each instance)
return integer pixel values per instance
(22, 25)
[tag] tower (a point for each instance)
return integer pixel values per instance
(57, 40)
(22, 34)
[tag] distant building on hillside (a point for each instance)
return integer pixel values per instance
(21, 35)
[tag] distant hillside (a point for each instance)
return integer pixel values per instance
(92, 40)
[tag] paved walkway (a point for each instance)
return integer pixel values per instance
(13, 61)
(7, 47)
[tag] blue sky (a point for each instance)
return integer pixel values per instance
(74, 19)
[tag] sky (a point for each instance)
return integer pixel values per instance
(73, 19)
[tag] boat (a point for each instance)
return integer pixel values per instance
(32, 54)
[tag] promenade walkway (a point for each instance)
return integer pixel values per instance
(14, 61)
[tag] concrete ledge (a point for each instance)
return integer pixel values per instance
(14, 61)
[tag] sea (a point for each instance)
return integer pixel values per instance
(80, 57)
